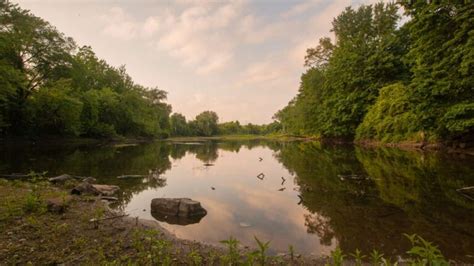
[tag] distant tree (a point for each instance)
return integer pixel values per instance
(206, 123)
(178, 125)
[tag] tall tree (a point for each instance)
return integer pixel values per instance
(206, 123)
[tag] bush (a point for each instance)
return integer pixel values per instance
(391, 118)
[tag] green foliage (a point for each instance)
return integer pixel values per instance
(424, 252)
(344, 77)
(262, 249)
(337, 257)
(206, 123)
(391, 118)
(52, 87)
(233, 256)
(459, 118)
(54, 111)
(194, 258)
(358, 257)
(376, 257)
(378, 81)
(33, 203)
(178, 125)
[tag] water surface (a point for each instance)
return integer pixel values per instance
(313, 196)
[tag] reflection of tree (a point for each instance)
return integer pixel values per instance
(407, 193)
(319, 225)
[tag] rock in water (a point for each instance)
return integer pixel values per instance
(180, 211)
(106, 190)
(94, 189)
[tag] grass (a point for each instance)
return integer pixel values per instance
(34, 235)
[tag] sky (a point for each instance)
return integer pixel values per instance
(242, 59)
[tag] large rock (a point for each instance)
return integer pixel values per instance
(181, 211)
(86, 188)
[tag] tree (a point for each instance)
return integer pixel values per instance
(49, 86)
(206, 123)
(344, 77)
(178, 125)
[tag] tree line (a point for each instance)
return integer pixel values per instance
(206, 124)
(379, 80)
(51, 86)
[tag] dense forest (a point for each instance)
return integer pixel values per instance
(50, 86)
(384, 80)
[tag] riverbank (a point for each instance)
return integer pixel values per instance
(85, 231)
(240, 138)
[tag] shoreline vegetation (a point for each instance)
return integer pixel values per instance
(378, 81)
(461, 148)
(45, 224)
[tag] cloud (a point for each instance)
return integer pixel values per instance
(300, 8)
(119, 24)
(205, 36)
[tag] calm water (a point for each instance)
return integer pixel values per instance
(317, 208)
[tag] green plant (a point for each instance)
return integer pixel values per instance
(358, 257)
(291, 250)
(250, 258)
(33, 203)
(262, 249)
(337, 257)
(376, 257)
(233, 256)
(37, 177)
(388, 262)
(194, 258)
(424, 252)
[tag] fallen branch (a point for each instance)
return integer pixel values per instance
(13, 176)
(463, 191)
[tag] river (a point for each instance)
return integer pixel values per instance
(306, 194)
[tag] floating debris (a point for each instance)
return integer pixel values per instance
(301, 200)
(260, 159)
(283, 182)
(281, 189)
(244, 225)
(208, 164)
(213, 188)
(261, 176)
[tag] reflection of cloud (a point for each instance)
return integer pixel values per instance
(239, 197)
